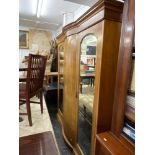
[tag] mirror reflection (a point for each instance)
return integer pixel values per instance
(61, 79)
(86, 91)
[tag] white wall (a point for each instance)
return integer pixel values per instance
(70, 17)
(59, 31)
(25, 52)
(82, 9)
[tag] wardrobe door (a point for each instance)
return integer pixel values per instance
(88, 63)
(86, 93)
(70, 87)
(60, 77)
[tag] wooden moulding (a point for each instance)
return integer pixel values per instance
(123, 71)
(60, 74)
(105, 9)
(123, 74)
(60, 40)
(127, 142)
(103, 20)
(108, 144)
(78, 150)
(60, 119)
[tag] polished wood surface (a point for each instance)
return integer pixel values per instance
(108, 74)
(60, 76)
(70, 89)
(38, 144)
(22, 78)
(104, 21)
(60, 119)
(108, 144)
(127, 142)
(113, 141)
(106, 78)
(103, 9)
(123, 72)
(46, 73)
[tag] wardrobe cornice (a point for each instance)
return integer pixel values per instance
(102, 10)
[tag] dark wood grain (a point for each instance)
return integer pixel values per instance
(38, 144)
(33, 83)
(60, 76)
(70, 89)
(124, 67)
(115, 143)
(108, 144)
(103, 20)
(123, 72)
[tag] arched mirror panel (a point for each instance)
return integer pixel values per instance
(61, 78)
(86, 91)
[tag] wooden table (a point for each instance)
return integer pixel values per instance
(38, 144)
(86, 76)
(47, 75)
(50, 74)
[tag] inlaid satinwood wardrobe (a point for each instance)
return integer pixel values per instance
(103, 21)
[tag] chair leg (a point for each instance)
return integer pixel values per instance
(41, 101)
(29, 111)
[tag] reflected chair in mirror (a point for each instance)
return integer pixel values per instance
(33, 84)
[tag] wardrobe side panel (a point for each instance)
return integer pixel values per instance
(111, 39)
(70, 88)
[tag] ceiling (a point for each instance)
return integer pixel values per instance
(52, 12)
(83, 2)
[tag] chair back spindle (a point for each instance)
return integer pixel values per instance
(35, 74)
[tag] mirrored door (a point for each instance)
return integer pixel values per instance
(86, 91)
(60, 78)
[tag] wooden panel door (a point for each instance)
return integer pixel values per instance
(97, 32)
(70, 83)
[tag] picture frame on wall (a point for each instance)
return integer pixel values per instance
(90, 61)
(23, 39)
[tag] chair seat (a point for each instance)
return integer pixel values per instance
(22, 91)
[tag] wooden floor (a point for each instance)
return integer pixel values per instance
(38, 144)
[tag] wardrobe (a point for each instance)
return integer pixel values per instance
(120, 139)
(90, 47)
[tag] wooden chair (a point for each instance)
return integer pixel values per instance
(33, 85)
